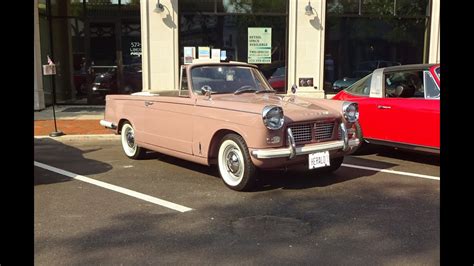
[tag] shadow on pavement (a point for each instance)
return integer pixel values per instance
(291, 178)
(51, 152)
(401, 154)
(353, 226)
(302, 178)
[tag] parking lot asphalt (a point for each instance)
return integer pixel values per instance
(352, 216)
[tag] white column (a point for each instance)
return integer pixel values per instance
(434, 56)
(38, 79)
(159, 33)
(306, 46)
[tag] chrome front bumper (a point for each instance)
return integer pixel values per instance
(107, 124)
(291, 151)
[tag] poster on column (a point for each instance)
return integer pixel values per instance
(259, 46)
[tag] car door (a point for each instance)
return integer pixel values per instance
(407, 113)
(169, 120)
(367, 92)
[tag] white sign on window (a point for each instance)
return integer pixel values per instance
(189, 54)
(49, 69)
(259, 45)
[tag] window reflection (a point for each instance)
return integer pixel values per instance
(364, 35)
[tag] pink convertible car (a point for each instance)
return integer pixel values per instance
(227, 114)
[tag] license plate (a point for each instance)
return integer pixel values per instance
(318, 159)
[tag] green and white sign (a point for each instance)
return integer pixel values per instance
(259, 45)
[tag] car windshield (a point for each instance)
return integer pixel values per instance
(228, 79)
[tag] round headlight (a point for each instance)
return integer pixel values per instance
(351, 111)
(273, 117)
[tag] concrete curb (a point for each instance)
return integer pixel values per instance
(112, 137)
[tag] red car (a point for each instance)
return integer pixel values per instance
(399, 106)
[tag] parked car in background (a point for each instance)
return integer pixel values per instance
(363, 69)
(276, 75)
(106, 82)
(227, 114)
(399, 106)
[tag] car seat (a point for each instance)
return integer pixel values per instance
(404, 91)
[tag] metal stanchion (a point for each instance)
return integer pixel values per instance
(55, 133)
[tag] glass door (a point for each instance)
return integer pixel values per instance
(102, 60)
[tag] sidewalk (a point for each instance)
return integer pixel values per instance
(71, 120)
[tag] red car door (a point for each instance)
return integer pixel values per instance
(409, 114)
(409, 121)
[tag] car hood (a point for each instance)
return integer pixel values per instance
(295, 108)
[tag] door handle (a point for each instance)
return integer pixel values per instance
(384, 107)
(148, 103)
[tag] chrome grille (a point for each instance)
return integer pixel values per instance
(323, 130)
(301, 133)
(312, 132)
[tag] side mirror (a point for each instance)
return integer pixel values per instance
(207, 91)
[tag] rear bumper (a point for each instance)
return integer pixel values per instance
(344, 145)
(107, 124)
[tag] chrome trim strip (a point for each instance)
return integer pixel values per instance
(307, 149)
(291, 142)
(107, 124)
(344, 137)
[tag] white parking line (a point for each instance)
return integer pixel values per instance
(129, 192)
(391, 171)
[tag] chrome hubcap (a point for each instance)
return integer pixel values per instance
(130, 138)
(232, 161)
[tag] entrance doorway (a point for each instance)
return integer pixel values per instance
(113, 54)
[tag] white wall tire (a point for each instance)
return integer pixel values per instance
(130, 148)
(234, 163)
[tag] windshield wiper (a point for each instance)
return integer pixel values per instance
(265, 91)
(246, 89)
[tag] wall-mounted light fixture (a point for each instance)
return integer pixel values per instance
(309, 9)
(159, 7)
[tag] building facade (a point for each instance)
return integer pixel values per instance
(128, 46)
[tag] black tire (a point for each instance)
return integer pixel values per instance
(234, 163)
(335, 164)
(130, 148)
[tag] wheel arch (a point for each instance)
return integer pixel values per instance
(215, 141)
(120, 124)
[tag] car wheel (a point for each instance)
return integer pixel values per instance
(129, 145)
(335, 164)
(234, 163)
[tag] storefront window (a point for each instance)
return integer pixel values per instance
(251, 7)
(91, 42)
(383, 33)
(130, 8)
(65, 8)
(102, 8)
(45, 47)
(228, 29)
(42, 7)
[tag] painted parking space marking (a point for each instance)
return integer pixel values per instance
(391, 171)
(115, 188)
